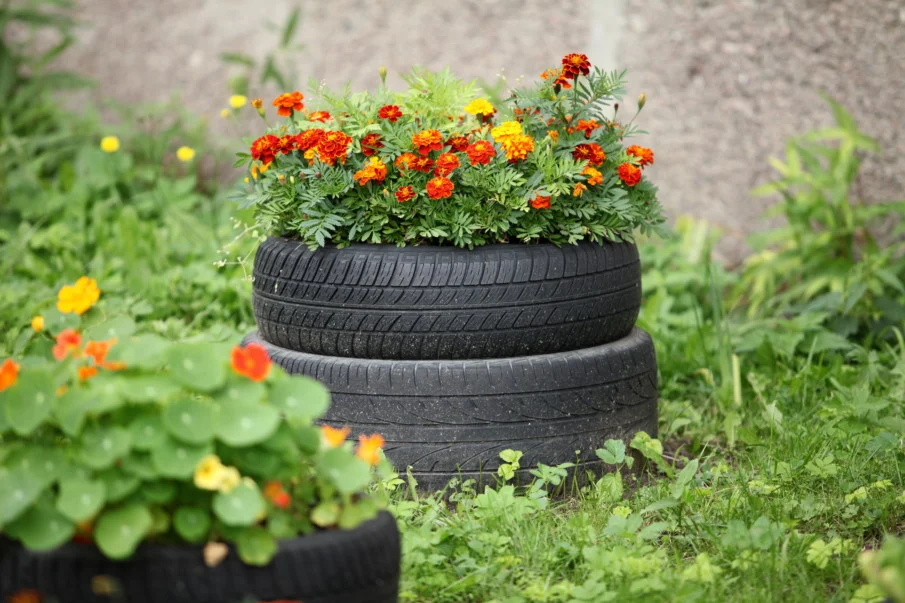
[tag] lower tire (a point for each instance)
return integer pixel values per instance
(346, 566)
(452, 418)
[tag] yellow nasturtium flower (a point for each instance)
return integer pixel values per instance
(78, 298)
(185, 154)
(237, 101)
(37, 324)
(110, 144)
(210, 473)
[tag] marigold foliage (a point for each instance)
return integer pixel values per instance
(437, 164)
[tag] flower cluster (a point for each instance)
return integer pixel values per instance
(438, 165)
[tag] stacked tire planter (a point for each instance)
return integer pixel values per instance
(455, 355)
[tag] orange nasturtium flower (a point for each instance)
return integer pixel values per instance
(645, 156)
(439, 188)
(25, 596)
(405, 193)
(630, 174)
(289, 102)
(369, 448)
(78, 298)
(277, 495)
(334, 437)
(594, 176)
(390, 112)
(574, 65)
(480, 153)
(98, 351)
(251, 361)
(540, 202)
(68, 342)
(373, 171)
(87, 372)
(427, 141)
(9, 373)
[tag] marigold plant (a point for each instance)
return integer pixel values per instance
(440, 164)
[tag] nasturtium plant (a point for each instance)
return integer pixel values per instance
(140, 439)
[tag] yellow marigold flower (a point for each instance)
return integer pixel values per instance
(594, 176)
(334, 437)
(210, 473)
(517, 146)
(230, 479)
(110, 144)
(553, 134)
(185, 154)
(579, 190)
(78, 298)
(507, 128)
(480, 106)
(37, 324)
(237, 101)
(224, 113)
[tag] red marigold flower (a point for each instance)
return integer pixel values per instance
(264, 148)
(439, 188)
(590, 152)
(370, 143)
(446, 163)
(308, 139)
(390, 112)
(320, 116)
(630, 174)
(587, 126)
(333, 146)
(645, 156)
(68, 342)
(427, 141)
(251, 361)
(369, 448)
(375, 170)
(422, 164)
(458, 143)
(287, 144)
(404, 161)
(277, 495)
(594, 176)
(540, 202)
(289, 102)
(405, 193)
(9, 373)
(574, 65)
(559, 78)
(480, 152)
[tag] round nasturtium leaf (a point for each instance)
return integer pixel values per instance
(118, 327)
(192, 523)
(325, 514)
(348, 473)
(159, 492)
(147, 431)
(139, 465)
(41, 528)
(243, 506)
(100, 447)
(240, 389)
(43, 463)
(29, 402)
(119, 531)
(141, 352)
(150, 388)
(118, 483)
(256, 546)
(300, 397)
(106, 391)
(178, 460)
(18, 490)
(191, 421)
(198, 366)
(246, 423)
(71, 409)
(80, 500)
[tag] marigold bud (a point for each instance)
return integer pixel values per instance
(383, 74)
(642, 99)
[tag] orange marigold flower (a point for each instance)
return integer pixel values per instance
(645, 156)
(308, 139)
(289, 102)
(630, 174)
(405, 193)
(374, 171)
(517, 146)
(251, 361)
(422, 164)
(78, 298)
(68, 341)
(540, 202)
(277, 495)
(574, 65)
(370, 143)
(334, 437)
(287, 144)
(446, 163)
(369, 448)
(594, 176)
(458, 144)
(404, 161)
(554, 135)
(257, 103)
(590, 152)
(427, 141)
(559, 78)
(587, 126)
(265, 148)
(320, 116)
(9, 373)
(333, 146)
(480, 152)
(439, 188)
(87, 372)
(579, 190)
(390, 112)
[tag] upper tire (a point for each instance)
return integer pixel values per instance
(430, 302)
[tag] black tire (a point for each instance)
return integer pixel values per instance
(450, 418)
(418, 303)
(348, 566)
